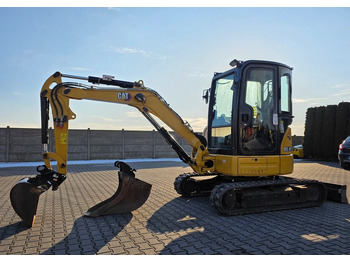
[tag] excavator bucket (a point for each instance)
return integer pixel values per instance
(25, 194)
(131, 194)
(24, 198)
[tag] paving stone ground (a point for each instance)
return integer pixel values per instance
(167, 223)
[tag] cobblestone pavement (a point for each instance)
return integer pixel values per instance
(168, 223)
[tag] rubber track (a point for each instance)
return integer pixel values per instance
(178, 184)
(219, 191)
(179, 180)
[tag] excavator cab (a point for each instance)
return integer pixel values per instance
(250, 109)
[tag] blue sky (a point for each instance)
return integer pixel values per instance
(174, 50)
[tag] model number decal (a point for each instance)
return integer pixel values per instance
(124, 96)
(287, 149)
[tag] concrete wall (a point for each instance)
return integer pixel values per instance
(24, 144)
(20, 144)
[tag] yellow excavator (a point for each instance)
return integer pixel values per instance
(238, 162)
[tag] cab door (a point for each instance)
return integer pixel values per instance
(258, 111)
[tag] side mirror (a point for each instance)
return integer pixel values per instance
(206, 95)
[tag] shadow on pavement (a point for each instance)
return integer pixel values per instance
(11, 230)
(181, 214)
(89, 235)
(196, 228)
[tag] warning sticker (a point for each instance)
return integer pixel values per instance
(255, 111)
(63, 138)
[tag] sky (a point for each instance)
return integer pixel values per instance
(174, 50)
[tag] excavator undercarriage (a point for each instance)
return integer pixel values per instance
(242, 195)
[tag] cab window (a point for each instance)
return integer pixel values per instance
(222, 113)
(285, 93)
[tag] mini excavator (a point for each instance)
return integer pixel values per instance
(238, 162)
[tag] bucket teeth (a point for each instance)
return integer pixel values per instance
(131, 194)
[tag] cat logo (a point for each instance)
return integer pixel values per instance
(124, 96)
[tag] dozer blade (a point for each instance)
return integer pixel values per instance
(24, 198)
(336, 193)
(131, 194)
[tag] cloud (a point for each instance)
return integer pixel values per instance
(197, 124)
(137, 51)
(340, 86)
(342, 89)
(128, 121)
(307, 100)
(342, 93)
(79, 68)
(297, 129)
(133, 114)
(105, 119)
(129, 50)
